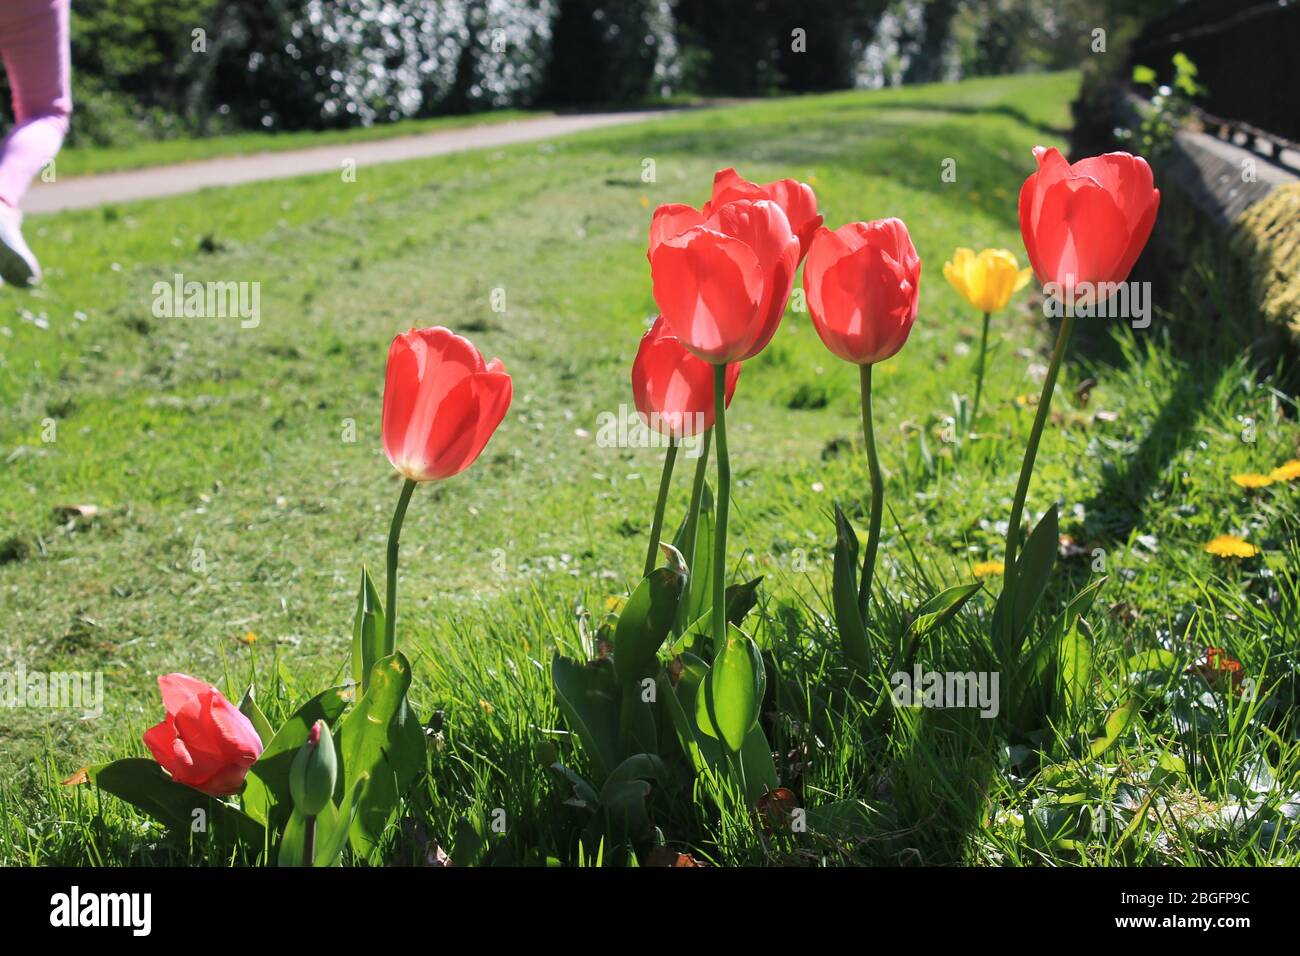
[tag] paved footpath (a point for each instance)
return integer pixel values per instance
(83, 192)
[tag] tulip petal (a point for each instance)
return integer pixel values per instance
(178, 690)
(1125, 177)
(799, 203)
(233, 731)
(1087, 223)
(862, 282)
(708, 287)
(672, 388)
(764, 227)
(426, 367)
(1082, 234)
(730, 186)
(669, 220)
(168, 749)
(469, 415)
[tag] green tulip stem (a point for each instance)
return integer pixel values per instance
(738, 769)
(724, 503)
(979, 371)
(395, 533)
(309, 842)
(697, 498)
(689, 532)
(657, 527)
(877, 494)
(1031, 451)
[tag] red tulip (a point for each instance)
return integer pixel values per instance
(441, 403)
(722, 284)
(796, 200)
(673, 389)
(862, 282)
(204, 742)
(1088, 222)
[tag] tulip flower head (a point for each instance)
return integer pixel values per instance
(204, 742)
(722, 281)
(796, 200)
(987, 279)
(442, 403)
(673, 389)
(862, 282)
(1085, 224)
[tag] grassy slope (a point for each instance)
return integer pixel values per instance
(194, 435)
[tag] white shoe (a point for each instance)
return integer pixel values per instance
(17, 264)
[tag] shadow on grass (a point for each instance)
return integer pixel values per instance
(1013, 113)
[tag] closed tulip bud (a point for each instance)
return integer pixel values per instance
(862, 282)
(1086, 223)
(442, 403)
(986, 279)
(673, 388)
(314, 771)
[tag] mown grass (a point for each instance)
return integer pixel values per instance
(230, 501)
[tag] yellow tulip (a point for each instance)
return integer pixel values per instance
(986, 280)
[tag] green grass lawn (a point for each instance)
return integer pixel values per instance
(231, 500)
(88, 160)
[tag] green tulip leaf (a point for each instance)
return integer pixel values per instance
(704, 750)
(248, 707)
(940, 609)
(844, 596)
(1117, 722)
(1033, 571)
(1075, 666)
(144, 784)
(266, 789)
(367, 631)
(590, 699)
(381, 740)
(741, 599)
(699, 592)
(645, 622)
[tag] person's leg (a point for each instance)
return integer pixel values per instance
(34, 42)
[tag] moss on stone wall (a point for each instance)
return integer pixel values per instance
(1265, 241)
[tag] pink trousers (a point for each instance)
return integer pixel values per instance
(34, 45)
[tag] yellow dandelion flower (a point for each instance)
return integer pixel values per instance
(1287, 471)
(645, 202)
(1230, 546)
(249, 638)
(985, 569)
(1252, 480)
